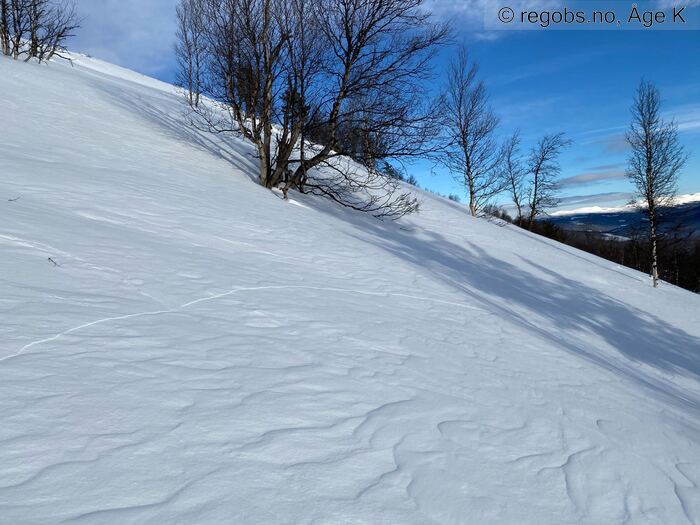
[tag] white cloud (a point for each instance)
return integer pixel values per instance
(666, 4)
(591, 178)
(473, 12)
(687, 117)
(138, 34)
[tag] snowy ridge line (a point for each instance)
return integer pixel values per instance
(226, 294)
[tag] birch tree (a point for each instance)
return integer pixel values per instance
(190, 48)
(543, 170)
(514, 174)
(473, 154)
(656, 160)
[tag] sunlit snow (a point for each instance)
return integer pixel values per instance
(198, 350)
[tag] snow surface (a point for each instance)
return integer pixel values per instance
(200, 351)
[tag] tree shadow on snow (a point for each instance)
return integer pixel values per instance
(534, 299)
(177, 126)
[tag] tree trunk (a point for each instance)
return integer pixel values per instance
(264, 168)
(472, 196)
(34, 43)
(516, 201)
(302, 165)
(531, 222)
(4, 29)
(533, 204)
(654, 254)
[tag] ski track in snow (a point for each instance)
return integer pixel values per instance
(33, 344)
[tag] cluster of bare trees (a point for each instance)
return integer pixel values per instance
(472, 153)
(532, 181)
(309, 81)
(36, 28)
(654, 165)
(655, 162)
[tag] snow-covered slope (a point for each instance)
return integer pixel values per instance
(200, 351)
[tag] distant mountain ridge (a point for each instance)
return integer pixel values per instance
(679, 200)
(627, 221)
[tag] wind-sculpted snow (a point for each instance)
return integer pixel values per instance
(197, 350)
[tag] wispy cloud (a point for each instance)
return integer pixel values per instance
(591, 178)
(473, 12)
(615, 144)
(687, 117)
(607, 167)
(666, 4)
(596, 198)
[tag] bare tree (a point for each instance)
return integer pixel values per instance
(472, 154)
(379, 53)
(56, 22)
(378, 59)
(655, 161)
(515, 174)
(544, 168)
(19, 26)
(190, 48)
(303, 66)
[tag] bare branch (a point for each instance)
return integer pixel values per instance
(544, 168)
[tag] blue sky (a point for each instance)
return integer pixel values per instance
(541, 81)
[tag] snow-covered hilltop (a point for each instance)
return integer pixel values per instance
(180, 345)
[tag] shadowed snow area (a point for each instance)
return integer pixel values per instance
(200, 351)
